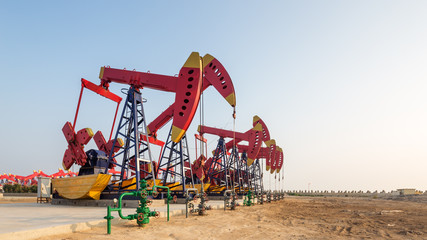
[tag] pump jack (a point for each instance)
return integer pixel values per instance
(196, 75)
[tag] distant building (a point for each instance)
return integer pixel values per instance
(407, 191)
(395, 193)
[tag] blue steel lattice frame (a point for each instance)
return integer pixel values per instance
(257, 175)
(174, 162)
(245, 170)
(131, 125)
(218, 170)
(235, 165)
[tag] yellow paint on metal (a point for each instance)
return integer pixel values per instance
(258, 127)
(207, 59)
(193, 61)
(64, 166)
(256, 118)
(205, 186)
(81, 187)
(130, 181)
(127, 183)
(231, 99)
(250, 161)
(215, 188)
(177, 134)
(121, 142)
(270, 142)
(89, 132)
(150, 182)
(101, 73)
(172, 186)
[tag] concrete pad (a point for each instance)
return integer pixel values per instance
(35, 220)
(104, 202)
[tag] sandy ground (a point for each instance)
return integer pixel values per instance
(292, 218)
(7, 200)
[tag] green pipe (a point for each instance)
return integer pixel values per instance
(119, 209)
(109, 217)
(142, 209)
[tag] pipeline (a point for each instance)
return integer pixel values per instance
(230, 195)
(260, 198)
(189, 200)
(269, 196)
(143, 211)
(202, 205)
(247, 201)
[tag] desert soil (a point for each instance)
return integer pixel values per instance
(292, 218)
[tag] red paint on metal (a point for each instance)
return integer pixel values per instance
(222, 84)
(144, 168)
(139, 79)
(274, 163)
(272, 154)
(281, 160)
(200, 138)
(265, 133)
(76, 141)
(161, 120)
(252, 136)
(78, 107)
(216, 75)
(153, 140)
(101, 91)
(75, 152)
(198, 167)
(187, 97)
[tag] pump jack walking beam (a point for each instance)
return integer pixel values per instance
(187, 88)
(253, 136)
(264, 136)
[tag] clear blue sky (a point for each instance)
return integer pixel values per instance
(341, 84)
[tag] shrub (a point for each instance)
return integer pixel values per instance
(33, 189)
(7, 188)
(18, 188)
